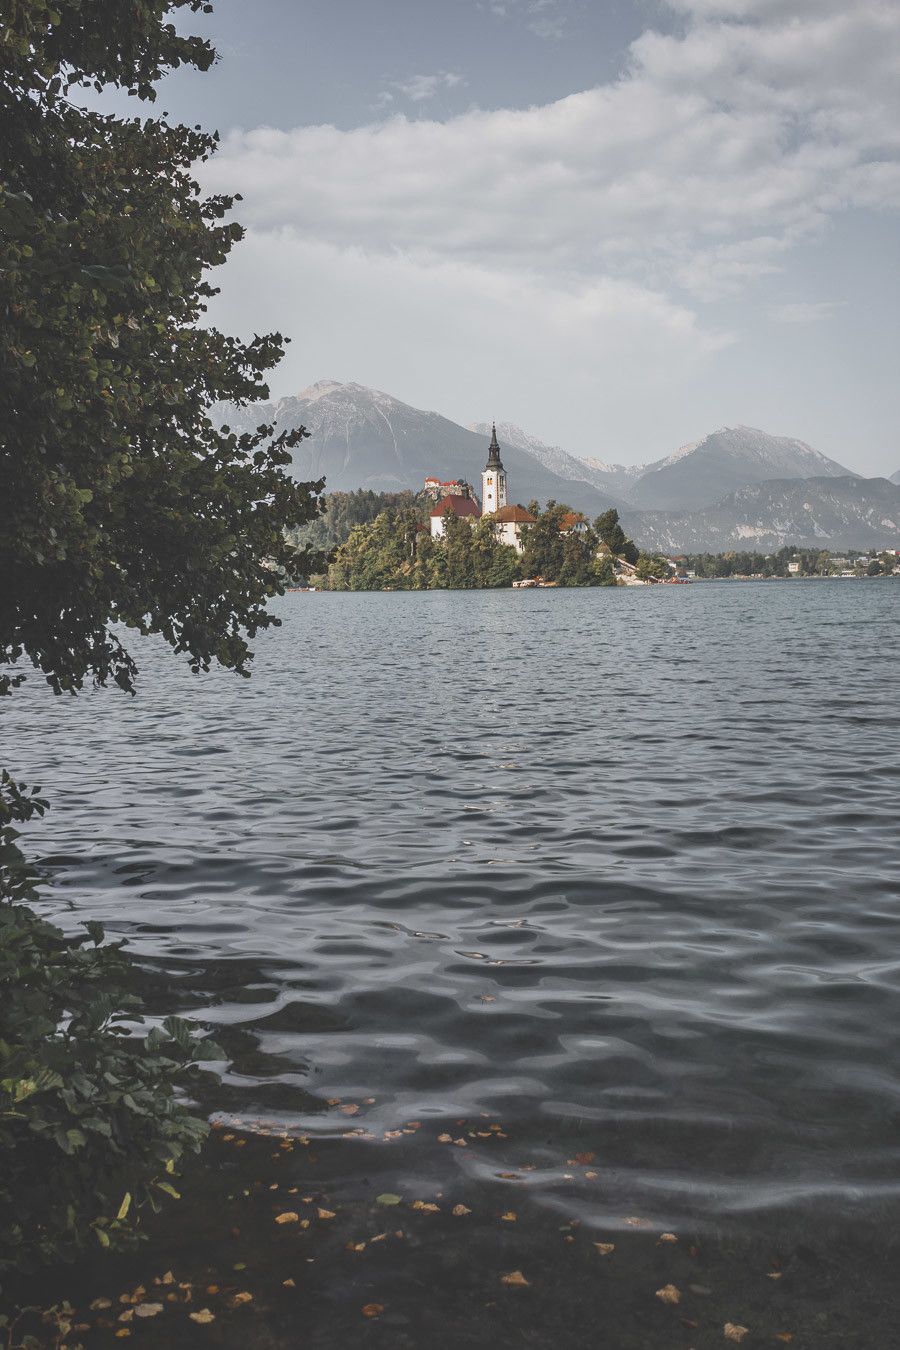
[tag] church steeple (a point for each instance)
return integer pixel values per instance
(494, 449)
(493, 480)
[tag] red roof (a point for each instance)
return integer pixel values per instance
(457, 506)
(513, 515)
(571, 519)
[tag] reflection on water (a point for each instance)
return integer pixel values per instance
(618, 868)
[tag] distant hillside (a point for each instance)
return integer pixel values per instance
(362, 438)
(895, 478)
(817, 512)
(703, 474)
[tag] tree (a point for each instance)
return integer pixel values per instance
(121, 503)
(610, 532)
(650, 568)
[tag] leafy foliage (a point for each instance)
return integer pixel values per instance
(120, 502)
(91, 1128)
(395, 551)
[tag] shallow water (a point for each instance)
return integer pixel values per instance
(617, 869)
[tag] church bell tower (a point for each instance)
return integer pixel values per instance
(493, 480)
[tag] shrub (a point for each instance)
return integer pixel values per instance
(91, 1126)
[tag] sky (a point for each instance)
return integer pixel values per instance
(620, 224)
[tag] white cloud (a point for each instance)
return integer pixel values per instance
(803, 312)
(421, 88)
(714, 153)
(544, 18)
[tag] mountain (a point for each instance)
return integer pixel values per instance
(701, 474)
(895, 478)
(607, 478)
(822, 512)
(362, 438)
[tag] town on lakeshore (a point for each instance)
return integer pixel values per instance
(444, 537)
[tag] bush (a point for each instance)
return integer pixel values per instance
(91, 1128)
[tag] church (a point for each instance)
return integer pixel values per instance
(508, 520)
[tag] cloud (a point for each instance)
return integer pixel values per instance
(805, 311)
(544, 18)
(421, 88)
(710, 157)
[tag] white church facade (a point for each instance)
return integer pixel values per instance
(508, 520)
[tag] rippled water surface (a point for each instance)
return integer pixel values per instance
(617, 868)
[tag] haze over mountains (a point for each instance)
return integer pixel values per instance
(737, 488)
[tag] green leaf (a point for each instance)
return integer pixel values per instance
(125, 1206)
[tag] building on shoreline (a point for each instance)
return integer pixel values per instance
(456, 498)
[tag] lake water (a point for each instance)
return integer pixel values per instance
(617, 870)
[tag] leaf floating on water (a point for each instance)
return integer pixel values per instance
(289, 1284)
(373, 1310)
(445, 1138)
(509, 1176)
(326, 1213)
(148, 1310)
(388, 1198)
(100, 1303)
(667, 1237)
(584, 1159)
(785, 1336)
(238, 1299)
(669, 1294)
(460, 1210)
(605, 1248)
(350, 1109)
(734, 1331)
(635, 1223)
(426, 1207)
(509, 1217)
(516, 1279)
(774, 1275)
(204, 1317)
(289, 1216)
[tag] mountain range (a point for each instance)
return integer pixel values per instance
(736, 488)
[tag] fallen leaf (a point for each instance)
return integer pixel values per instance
(592, 1176)
(509, 1217)
(774, 1275)
(516, 1278)
(605, 1248)
(123, 1332)
(289, 1216)
(204, 1317)
(238, 1299)
(100, 1303)
(289, 1284)
(326, 1213)
(356, 1246)
(379, 1237)
(667, 1237)
(509, 1176)
(426, 1207)
(669, 1294)
(212, 1288)
(585, 1159)
(373, 1310)
(445, 1138)
(635, 1223)
(148, 1310)
(785, 1336)
(734, 1331)
(126, 1316)
(460, 1210)
(350, 1110)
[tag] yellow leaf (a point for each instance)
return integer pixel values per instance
(125, 1206)
(667, 1237)
(445, 1138)
(460, 1210)
(373, 1309)
(509, 1217)
(604, 1248)
(785, 1336)
(289, 1284)
(123, 1332)
(148, 1310)
(515, 1278)
(289, 1216)
(237, 1299)
(100, 1303)
(669, 1294)
(734, 1331)
(204, 1317)
(325, 1213)
(426, 1207)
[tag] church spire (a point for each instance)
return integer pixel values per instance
(494, 449)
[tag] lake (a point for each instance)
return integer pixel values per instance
(615, 872)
